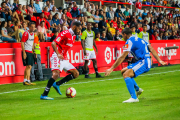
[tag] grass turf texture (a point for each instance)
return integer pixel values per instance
(97, 99)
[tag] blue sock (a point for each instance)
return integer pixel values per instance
(135, 85)
(130, 86)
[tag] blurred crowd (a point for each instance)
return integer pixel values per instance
(159, 23)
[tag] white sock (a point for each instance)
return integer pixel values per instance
(28, 80)
(25, 80)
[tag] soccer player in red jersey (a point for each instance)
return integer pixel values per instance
(63, 42)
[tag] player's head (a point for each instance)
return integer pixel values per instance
(126, 33)
(31, 27)
(133, 28)
(76, 27)
(144, 28)
(89, 25)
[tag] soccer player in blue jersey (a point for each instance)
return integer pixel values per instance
(140, 49)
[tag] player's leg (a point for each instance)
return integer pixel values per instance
(73, 74)
(55, 75)
(95, 68)
(86, 69)
(128, 74)
(65, 65)
(135, 84)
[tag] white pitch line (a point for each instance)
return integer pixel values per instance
(86, 82)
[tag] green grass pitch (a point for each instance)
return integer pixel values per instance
(97, 99)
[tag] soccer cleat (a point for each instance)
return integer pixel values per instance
(99, 76)
(32, 83)
(87, 76)
(46, 98)
(131, 100)
(138, 93)
(26, 83)
(56, 87)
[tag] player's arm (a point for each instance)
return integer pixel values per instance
(83, 37)
(53, 44)
(117, 63)
(94, 43)
(156, 55)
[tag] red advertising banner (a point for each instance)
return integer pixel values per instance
(12, 69)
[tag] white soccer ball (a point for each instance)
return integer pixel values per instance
(70, 92)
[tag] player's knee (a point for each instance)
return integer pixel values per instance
(75, 74)
(55, 75)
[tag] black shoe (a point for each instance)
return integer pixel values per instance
(87, 76)
(99, 76)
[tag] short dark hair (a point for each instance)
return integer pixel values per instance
(144, 25)
(3, 3)
(127, 31)
(31, 23)
(76, 24)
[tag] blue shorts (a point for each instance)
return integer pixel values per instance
(141, 66)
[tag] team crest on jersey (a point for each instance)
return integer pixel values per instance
(58, 39)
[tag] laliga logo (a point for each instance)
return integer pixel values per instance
(108, 55)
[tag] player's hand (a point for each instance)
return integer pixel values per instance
(60, 57)
(108, 72)
(96, 52)
(24, 56)
(84, 52)
(163, 63)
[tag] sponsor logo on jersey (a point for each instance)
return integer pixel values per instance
(68, 44)
(58, 39)
(126, 46)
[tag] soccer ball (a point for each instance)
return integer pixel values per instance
(70, 92)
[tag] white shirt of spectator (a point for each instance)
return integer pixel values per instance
(29, 43)
(60, 14)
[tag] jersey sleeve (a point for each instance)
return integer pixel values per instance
(128, 46)
(84, 35)
(58, 38)
(24, 37)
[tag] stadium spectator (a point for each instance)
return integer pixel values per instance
(9, 4)
(84, 9)
(24, 26)
(119, 13)
(15, 5)
(46, 13)
(42, 32)
(60, 12)
(103, 37)
(4, 34)
(96, 17)
(9, 28)
(84, 23)
(20, 13)
(138, 5)
(173, 36)
(77, 19)
(6, 12)
(133, 29)
(144, 14)
(63, 22)
(102, 25)
(56, 20)
(41, 18)
(117, 36)
(106, 13)
(48, 5)
(53, 11)
(52, 4)
(95, 28)
(126, 12)
(75, 11)
(111, 30)
(98, 35)
(154, 36)
(119, 28)
(37, 8)
(111, 12)
(165, 36)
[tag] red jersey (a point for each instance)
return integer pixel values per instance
(138, 5)
(65, 41)
(18, 12)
